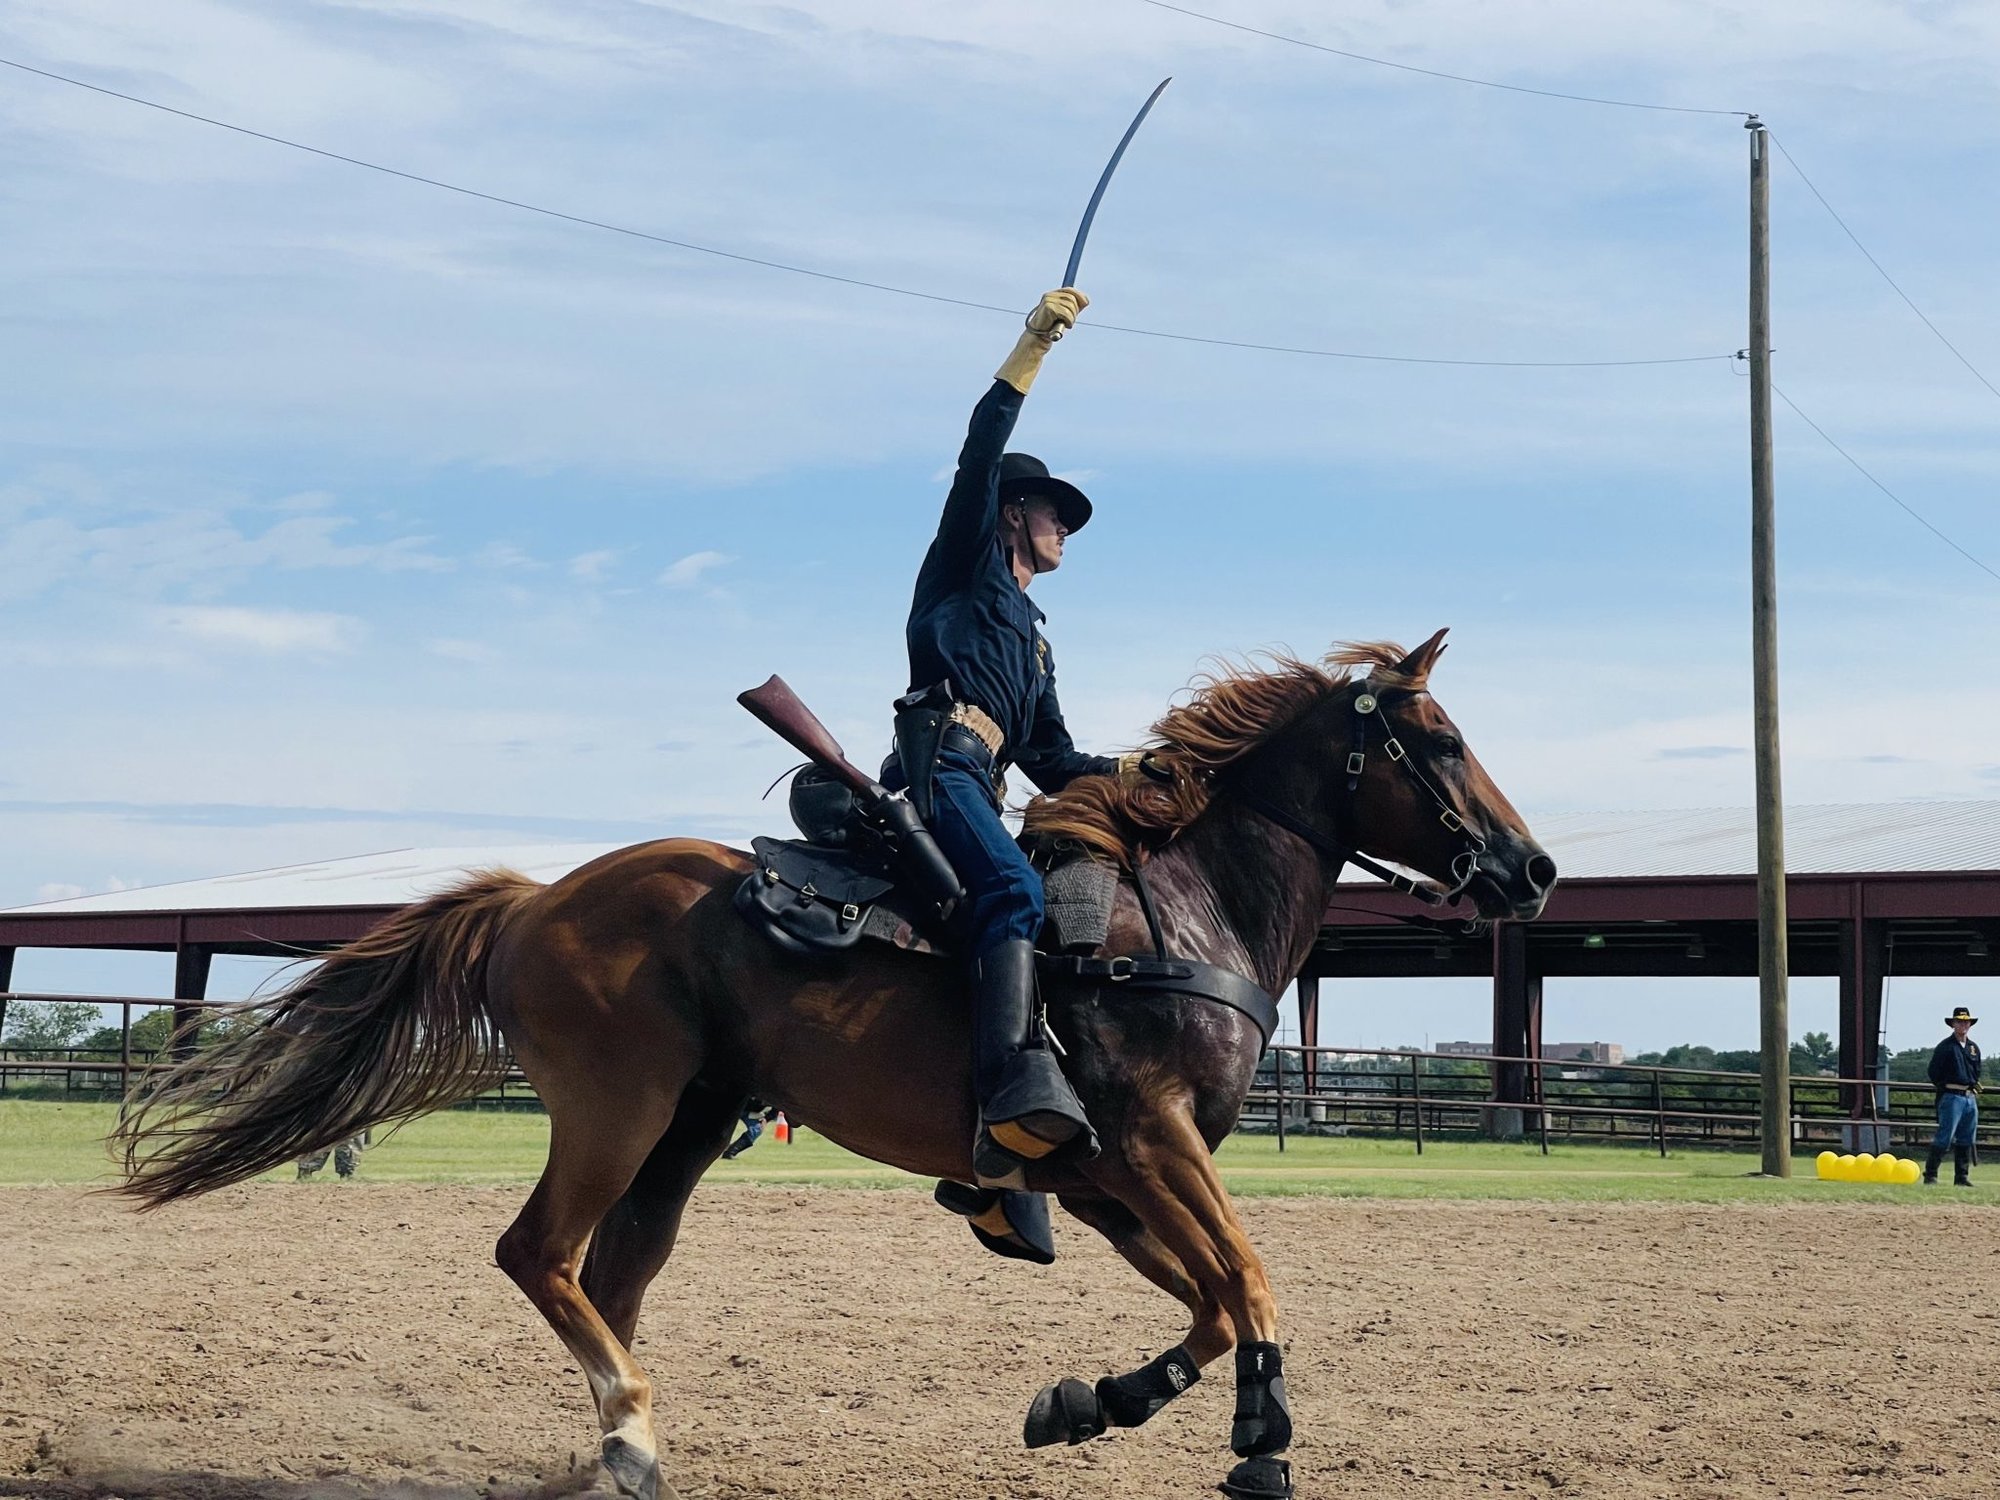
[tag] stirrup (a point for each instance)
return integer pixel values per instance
(1012, 1224)
(1031, 1115)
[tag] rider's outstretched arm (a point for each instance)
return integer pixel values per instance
(972, 509)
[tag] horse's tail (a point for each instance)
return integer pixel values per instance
(382, 1031)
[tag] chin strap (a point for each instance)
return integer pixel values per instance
(1464, 865)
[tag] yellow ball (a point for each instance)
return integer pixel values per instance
(1845, 1168)
(1908, 1172)
(1826, 1161)
(1887, 1169)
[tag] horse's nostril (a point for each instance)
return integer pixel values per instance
(1541, 873)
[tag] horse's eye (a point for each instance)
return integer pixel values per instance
(1450, 745)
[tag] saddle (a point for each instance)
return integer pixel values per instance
(819, 896)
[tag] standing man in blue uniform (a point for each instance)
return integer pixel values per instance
(983, 697)
(1955, 1075)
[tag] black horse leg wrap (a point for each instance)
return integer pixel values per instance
(1263, 1416)
(1130, 1399)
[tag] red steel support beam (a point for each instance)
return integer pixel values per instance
(1309, 1029)
(191, 962)
(1864, 951)
(1512, 1003)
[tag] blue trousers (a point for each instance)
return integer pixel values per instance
(1003, 892)
(1958, 1119)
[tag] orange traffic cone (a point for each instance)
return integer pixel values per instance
(782, 1130)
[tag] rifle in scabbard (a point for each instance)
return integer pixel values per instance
(778, 708)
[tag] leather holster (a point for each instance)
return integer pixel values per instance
(921, 716)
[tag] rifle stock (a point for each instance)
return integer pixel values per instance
(923, 862)
(778, 708)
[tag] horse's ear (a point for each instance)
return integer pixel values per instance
(1417, 665)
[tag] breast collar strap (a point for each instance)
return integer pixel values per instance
(1464, 866)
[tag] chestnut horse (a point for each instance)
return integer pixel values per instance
(644, 1011)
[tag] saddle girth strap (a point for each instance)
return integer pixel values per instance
(1169, 976)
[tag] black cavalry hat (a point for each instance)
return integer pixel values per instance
(1961, 1014)
(1022, 476)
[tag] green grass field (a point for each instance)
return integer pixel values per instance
(58, 1143)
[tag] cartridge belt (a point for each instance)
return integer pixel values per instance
(981, 724)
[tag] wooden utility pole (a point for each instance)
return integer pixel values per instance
(1774, 1018)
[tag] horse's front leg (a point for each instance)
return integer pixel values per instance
(1162, 1172)
(1072, 1412)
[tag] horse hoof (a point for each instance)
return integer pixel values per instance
(1259, 1479)
(635, 1471)
(1068, 1412)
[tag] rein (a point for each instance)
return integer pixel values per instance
(1464, 865)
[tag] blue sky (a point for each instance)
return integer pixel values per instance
(338, 513)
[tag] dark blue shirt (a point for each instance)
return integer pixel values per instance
(1953, 1064)
(971, 621)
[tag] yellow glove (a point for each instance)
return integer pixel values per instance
(1053, 316)
(1056, 314)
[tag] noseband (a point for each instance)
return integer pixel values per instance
(1464, 865)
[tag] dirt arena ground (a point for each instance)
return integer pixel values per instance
(332, 1341)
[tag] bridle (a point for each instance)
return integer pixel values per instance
(1367, 706)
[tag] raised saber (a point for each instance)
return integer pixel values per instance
(1090, 213)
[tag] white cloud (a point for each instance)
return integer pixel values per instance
(57, 890)
(689, 570)
(272, 631)
(591, 566)
(59, 528)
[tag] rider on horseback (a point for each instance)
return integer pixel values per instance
(984, 697)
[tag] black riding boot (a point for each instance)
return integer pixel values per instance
(1026, 1107)
(1961, 1166)
(1931, 1164)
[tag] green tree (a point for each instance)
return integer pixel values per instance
(1816, 1054)
(151, 1033)
(1911, 1066)
(49, 1023)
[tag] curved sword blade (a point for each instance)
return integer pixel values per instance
(1090, 213)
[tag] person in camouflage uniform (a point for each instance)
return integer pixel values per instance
(346, 1157)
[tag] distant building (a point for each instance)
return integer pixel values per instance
(1608, 1053)
(1464, 1049)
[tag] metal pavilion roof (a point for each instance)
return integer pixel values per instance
(1826, 839)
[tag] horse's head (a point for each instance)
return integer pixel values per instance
(1398, 781)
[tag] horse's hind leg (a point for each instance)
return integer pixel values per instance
(600, 1133)
(1072, 1412)
(635, 1238)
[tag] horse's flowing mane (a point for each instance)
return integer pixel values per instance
(1228, 714)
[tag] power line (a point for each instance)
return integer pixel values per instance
(452, 187)
(1407, 359)
(855, 281)
(1485, 83)
(1879, 269)
(1908, 509)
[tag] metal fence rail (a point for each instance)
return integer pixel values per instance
(1357, 1091)
(1400, 1092)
